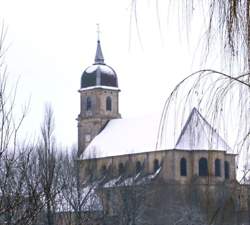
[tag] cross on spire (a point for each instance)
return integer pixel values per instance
(98, 56)
(98, 31)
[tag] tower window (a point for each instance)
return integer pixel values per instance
(203, 168)
(156, 165)
(183, 167)
(138, 167)
(226, 168)
(121, 168)
(88, 104)
(108, 103)
(217, 168)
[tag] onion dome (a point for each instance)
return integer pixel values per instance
(99, 74)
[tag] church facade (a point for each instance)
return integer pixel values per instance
(194, 182)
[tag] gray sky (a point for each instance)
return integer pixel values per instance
(52, 42)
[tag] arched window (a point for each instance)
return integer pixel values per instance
(138, 167)
(183, 167)
(103, 170)
(156, 165)
(108, 103)
(226, 168)
(88, 103)
(203, 168)
(121, 168)
(217, 168)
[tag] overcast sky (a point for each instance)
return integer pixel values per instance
(51, 42)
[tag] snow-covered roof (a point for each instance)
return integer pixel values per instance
(100, 87)
(137, 135)
(198, 134)
(124, 136)
(102, 68)
(137, 179)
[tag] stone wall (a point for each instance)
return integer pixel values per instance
(98, 97)
(169, 161)
(169, 198)
(92, 121)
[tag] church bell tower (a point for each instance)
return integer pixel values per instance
(99, 99)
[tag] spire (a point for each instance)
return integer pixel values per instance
(98, 56)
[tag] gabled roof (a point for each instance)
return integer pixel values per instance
(198, 134)
(137, 135)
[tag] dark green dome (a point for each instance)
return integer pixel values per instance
(99, 75)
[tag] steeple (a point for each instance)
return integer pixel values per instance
(98, 56)
(99, 94)
(99, 73)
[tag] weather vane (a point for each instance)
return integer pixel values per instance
(98, 31)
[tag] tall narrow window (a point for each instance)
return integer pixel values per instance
(88, 103)
(103, 170)
(217, 168)
(183, 167)
(121, 168)
(108, 103)
(156, 165)
(203, 168)
(138, 167)
(226, 168)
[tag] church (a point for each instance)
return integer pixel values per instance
(193, 182)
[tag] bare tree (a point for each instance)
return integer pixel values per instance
(19, 192)
(48, 166)
(78, 198)
(128, 199)
(9, 124)
(131, 204)
(21, 195)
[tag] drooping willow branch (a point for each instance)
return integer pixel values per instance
(224, 100)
